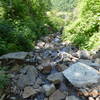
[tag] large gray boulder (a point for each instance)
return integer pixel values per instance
(15, 55)
(81, 75)
(27, 77)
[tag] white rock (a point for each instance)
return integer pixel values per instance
(40, 44)
(90, 98)
(98, 98)
(81, 75)
(49, 89)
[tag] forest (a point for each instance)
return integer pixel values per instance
(36, 32)
(23, 22)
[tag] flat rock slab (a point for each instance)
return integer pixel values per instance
(90, 63)
(81, 75)
(16, 55)
(27, 77)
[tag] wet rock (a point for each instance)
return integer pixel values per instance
(27, 77)
(55, 78)
(16, 56)
(80, 74)
(49, 89)
(61, 67)
(29, 91)
(57, 95)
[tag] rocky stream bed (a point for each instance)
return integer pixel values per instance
(54, 70)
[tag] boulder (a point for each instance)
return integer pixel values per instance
(79, 75)
(27, 77)
(15, 55)
(49, 89)
(57, 95)
(86, 61)
(56, 78)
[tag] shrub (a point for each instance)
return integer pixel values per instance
(4, 79)
(22, 22)
(86, 27)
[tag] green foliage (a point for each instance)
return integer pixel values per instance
(94, 41)
(22, 22)
(86, 28)
(63, 5)
(4, 79)
(59, 14)
(57, 19)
